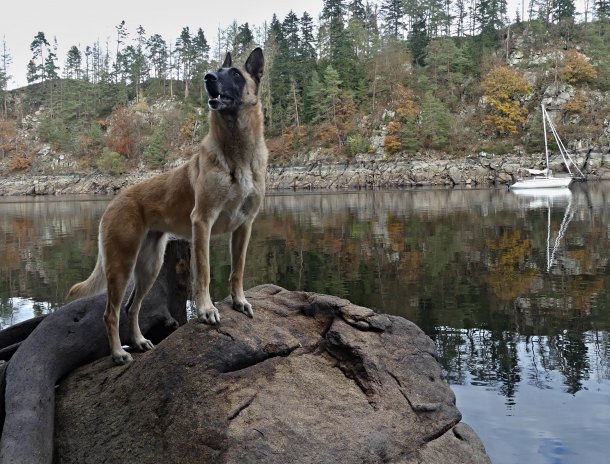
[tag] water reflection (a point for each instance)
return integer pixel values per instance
(514, 289)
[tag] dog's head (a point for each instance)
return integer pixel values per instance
(230, 88)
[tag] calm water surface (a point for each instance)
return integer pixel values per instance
(515, 290)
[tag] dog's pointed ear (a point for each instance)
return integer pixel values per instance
(228, 61)
(255, 64)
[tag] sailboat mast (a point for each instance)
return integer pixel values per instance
(546, 145)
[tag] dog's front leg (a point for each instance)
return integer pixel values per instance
(239, 246)
(202, 229)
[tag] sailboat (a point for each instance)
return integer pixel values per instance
(544, 178)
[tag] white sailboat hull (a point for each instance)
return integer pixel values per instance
(542, 183)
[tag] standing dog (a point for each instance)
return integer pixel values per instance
(218, 190)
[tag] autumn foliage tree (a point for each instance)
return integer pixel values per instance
(124, 132)
(576, 68)
(503, 90)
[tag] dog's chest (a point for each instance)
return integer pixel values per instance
(242, 202)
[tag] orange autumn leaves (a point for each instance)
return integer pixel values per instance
(503, 90)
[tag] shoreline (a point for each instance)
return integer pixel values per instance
(358, 173)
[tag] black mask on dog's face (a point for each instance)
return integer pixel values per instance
(225, 87)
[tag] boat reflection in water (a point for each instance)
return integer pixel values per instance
(549, 198)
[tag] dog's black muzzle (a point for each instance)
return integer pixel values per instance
(223, 94)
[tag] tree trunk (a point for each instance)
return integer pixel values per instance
(66, 339)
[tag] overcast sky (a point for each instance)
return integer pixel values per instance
(78, 22)
(82, 23)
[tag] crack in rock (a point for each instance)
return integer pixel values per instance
(241, 408)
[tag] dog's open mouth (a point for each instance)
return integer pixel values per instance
(217, 100)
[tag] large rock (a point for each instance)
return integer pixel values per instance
(312, 378)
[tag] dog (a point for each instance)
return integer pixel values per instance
(219, 190)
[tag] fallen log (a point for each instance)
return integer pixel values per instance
(70, 337)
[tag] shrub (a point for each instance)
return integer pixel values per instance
(156, 150)
(576, 68)
(356, 144)
(111, 162)
(53, 131)
(391, 144)
(124, 133)
(20, 162)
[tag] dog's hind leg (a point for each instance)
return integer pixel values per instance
(121, 241)
(148, 265)
(239, 245)
(117, 278)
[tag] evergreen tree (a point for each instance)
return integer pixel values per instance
(5, 61)
(393, 12)
(32, 74)
(50, 63)
(307, 49)
(242, 42)
(602, 9)
(184, 56)
(313, 99)
(332, 90)
(562, 9)
(121, 36)
(157, 52)
(338, 49)
(419, 40)
(435, 126)
(201, 51)
(72, 68)
(491, 16)
(38, 47)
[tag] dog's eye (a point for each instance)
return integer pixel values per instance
(236, 74)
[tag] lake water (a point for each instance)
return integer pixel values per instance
(515, 290)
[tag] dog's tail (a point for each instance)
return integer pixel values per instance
(94, 284)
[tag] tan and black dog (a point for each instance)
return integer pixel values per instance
(218, 190)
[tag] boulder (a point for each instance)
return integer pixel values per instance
(312, 378)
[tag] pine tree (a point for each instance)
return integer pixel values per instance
(201, 51)
(72, 68)
(562, 9)
(242, 42)
(435, 125)
(393, 12)
(5, 61)
(419, 40)
(121, 36)
(38, 47)
(313, 99)
(491, 16)
(332, 90)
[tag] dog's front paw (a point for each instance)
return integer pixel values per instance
(143, 345)
(209, 315)
(121, 357)
(242, 305)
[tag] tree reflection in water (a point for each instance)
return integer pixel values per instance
(468, 266)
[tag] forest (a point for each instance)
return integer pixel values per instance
(410, 77)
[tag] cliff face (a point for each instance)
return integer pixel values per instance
(312, 378)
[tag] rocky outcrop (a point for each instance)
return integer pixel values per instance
(482, 169)
(312, 378)
(359, 172)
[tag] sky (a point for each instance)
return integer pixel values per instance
(82, 23)
(78, 22)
